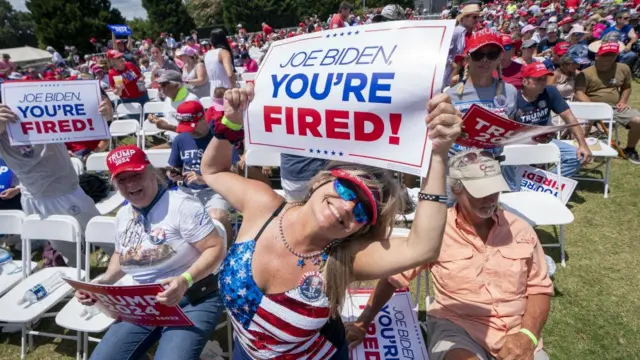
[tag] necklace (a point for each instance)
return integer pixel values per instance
(316, 256)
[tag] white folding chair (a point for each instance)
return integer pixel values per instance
(98, 162)
(54, 227)
(100, 230)
(154, 94)
(206, 102)
(115, 100)
(130, 110)
(122, 128)
(148, 128)
(408, 218)
(11, 224)
(535, 207)
(597, 112)
(77, 164)
(159, 158)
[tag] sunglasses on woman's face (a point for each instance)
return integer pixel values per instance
(490, 55)
(347, 191)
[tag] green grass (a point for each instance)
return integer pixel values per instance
(595, 313)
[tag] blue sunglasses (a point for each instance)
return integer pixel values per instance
(346, 192)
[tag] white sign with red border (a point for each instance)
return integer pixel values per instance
(54, 111)
(394, 334)
(353, 94)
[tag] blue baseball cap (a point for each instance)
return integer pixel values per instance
(578, 53)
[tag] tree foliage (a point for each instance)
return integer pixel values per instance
(72, 22)
(142, 29)
(16, 27)
(252, 13)
(205, 13)
(168, 16)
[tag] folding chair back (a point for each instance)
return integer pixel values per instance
(11, 222)
(206, 102)
(97, 162)
(130, 109)
(531, 154)
(153, 108)
(262, 158)
(594, 112)
(159, 157)
(100, 230)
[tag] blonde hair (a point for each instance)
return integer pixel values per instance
(338, 269)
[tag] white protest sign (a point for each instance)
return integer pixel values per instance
(532, 179)
(395, 332)
(54, 111)
(353, 94)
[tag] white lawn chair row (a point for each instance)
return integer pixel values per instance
(100, 230)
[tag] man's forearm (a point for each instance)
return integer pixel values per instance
(581, 97)
(536, 313)
(624, 97)
(380, 296)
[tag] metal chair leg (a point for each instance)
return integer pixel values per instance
(562, 253)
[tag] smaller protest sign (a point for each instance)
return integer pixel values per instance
(6, 176)
(393, 334)
(484, 129)
(136, 304)
(539, 180)
(54, 111)
(120, 30)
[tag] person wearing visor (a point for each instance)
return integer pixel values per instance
(163, 237)
(564, 77)
(511, 69)
(338, 235)
(527, 50)
(492, 289)
(390, 12)
(194, 134)
(536, 103)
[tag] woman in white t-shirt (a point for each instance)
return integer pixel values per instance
(219, 62)
(164, 237)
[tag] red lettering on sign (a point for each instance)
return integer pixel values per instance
(370, 343)
(372, 355)
(335, 124)
(56, 126)
(539, 179)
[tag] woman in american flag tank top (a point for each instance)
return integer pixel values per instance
(285, 278)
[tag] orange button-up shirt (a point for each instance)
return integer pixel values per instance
(483, 287)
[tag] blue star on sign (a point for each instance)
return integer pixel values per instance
(326, 152)
(318, 151)
(311, 151)
(334, 35)
(341, 34)
(328, 35)
(349, 33)
(333, 153)
(357, 32)
(341, 153)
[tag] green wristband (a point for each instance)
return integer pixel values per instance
(188, 277)
(530, 335)
(230, 124)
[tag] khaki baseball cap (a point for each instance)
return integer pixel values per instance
(481, 179)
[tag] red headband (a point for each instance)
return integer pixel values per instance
(342, 174)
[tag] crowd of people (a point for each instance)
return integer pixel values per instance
(522, 60)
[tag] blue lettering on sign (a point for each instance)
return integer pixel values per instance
(122, 30)
(6, 176)
(355, 85)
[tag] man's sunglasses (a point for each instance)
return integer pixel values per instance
(472, 157)
(347, 191)
(491, 55)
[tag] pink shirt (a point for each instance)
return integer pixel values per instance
(251, 66)
(483, 287)
(7, 67)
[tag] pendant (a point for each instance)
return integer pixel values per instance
(301, 263)
(316, 261)
(324, 256)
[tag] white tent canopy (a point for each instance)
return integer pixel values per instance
(27, 56)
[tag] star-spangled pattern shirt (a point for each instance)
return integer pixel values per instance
(275, 326)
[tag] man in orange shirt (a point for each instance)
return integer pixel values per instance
(339, 20)
(492, 289)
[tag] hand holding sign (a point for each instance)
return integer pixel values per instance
(236, 102)
(444, 123)
(6, 115)
(176, 287)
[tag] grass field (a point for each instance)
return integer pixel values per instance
(595, 313)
